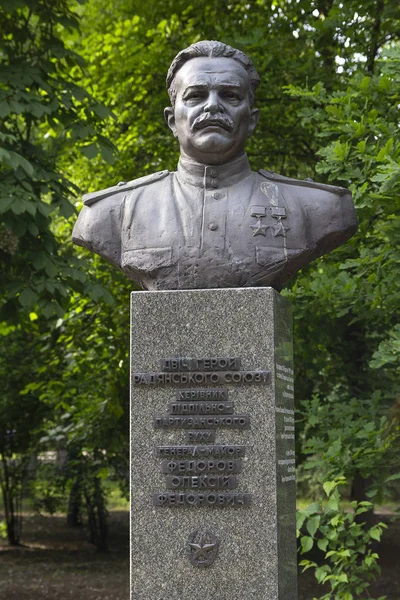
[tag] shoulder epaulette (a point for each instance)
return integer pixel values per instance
(303, 182)
(123, 186)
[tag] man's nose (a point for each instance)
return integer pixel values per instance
(213, 104)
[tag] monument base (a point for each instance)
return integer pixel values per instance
(212, 446)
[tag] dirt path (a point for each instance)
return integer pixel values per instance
(56, 563)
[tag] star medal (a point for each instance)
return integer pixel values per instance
(259, 212)
(279, 213)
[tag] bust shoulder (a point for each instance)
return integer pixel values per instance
(123, 187)
(329, 218)
(304, 183)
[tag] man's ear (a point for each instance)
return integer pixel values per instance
(254, 117)
(169, 116)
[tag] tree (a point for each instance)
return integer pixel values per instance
(42, 111)
(358, 127)
(20, 418)
(328, 110)
(330, 114)
(84, 384)
(349, 312)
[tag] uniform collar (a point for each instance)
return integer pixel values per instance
(213, 176)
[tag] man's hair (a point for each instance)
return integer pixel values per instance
(211, 49)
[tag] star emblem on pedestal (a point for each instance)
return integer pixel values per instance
(259, 228)
(279, 229)
(203, 548)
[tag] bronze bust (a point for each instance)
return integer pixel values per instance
(214, 223)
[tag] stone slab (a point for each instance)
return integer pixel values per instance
(256, 557)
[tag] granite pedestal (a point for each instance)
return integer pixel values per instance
(212, 446)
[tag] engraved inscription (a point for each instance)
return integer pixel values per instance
(201, 408)
(284, 411)
(201, 411)
(216, 500)
(215, 482)
(286, 478)
(199, 378)
(231, 421)
(285, 374)
(200, 451)
(178, 364)
(288, 466)
(202, 394)
(288, 433)
(200, 436)
(289, 424)
(285, 422)
(201, 466)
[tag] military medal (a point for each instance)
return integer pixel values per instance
(279, 213)
(259, 212)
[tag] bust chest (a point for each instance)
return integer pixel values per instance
(177, 235)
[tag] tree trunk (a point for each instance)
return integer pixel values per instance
(75, 504)
(326, 45)
(97, 514)
(375, 33)
(359, 489)
(11, 493)
(101, 516)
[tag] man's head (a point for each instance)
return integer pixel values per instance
(211, 87)
(211, 49)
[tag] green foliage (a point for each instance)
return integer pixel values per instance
(350, 563)
(85, 378)
(342, 439)
(84, 385)
(128, 46)
(48, 489)
(388, 351)
(21, 418)
(43, 111)
(360, 144)
(329, 109)
(347, 313)
(3, 529)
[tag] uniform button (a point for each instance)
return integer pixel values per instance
(213, 226)
(214, 183)
(213, 173)
(216, 195)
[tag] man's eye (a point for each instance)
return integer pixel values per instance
(232, 96)
(194, 96)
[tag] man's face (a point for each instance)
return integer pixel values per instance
(212, 117)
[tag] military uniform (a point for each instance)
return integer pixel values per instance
(214, 226)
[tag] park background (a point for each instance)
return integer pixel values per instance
(82, 92)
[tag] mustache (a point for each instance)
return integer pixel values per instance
(207, 118)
